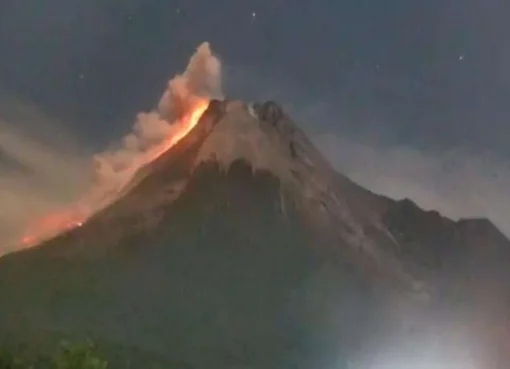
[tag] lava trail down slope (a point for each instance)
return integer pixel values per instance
(242, 247)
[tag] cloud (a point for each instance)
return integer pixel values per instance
(457, 182)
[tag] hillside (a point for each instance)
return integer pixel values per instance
(242, 247)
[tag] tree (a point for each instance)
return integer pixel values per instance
(77, 356)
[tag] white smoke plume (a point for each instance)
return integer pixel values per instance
(49, 176)
(201, 79)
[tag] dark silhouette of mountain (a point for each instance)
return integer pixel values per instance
(242, 247)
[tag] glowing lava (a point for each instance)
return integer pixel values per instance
(51, 225)
(74, 216)
(182, 128)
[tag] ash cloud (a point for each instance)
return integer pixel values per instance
(38, 176)
(201, 79)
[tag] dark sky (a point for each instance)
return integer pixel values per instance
(429, 73)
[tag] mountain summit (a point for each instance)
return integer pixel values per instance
(240, 246)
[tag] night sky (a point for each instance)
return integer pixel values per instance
(429, 75)
(429, 72)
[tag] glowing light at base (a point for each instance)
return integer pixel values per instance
(74, 216)
(435, 352)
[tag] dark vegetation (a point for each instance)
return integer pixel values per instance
(80, 355)
(85, 354)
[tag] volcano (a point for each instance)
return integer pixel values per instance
(242, 247)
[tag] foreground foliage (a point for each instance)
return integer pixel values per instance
(81, 355)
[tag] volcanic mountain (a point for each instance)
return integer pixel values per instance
(242, 247)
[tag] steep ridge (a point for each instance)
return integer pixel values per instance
(241, 246)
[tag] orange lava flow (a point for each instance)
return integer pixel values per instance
(50, 225)
(69, 218)
(183, 127)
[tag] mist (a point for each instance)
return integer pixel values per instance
(458, 183)
(38, 174)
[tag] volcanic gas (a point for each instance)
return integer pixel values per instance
(179, 111)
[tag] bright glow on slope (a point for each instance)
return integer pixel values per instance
(65, 219)
(184, 127)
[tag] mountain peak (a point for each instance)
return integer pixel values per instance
(259, 133)
(239, 134)
(219, 236)
(243, 232)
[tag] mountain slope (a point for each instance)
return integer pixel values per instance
(241, 246)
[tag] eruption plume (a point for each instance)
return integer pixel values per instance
(200, 82)
(179, 109)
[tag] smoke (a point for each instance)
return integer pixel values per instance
(201, 79)
(456, 182)
(37, 175)
(40, 175)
